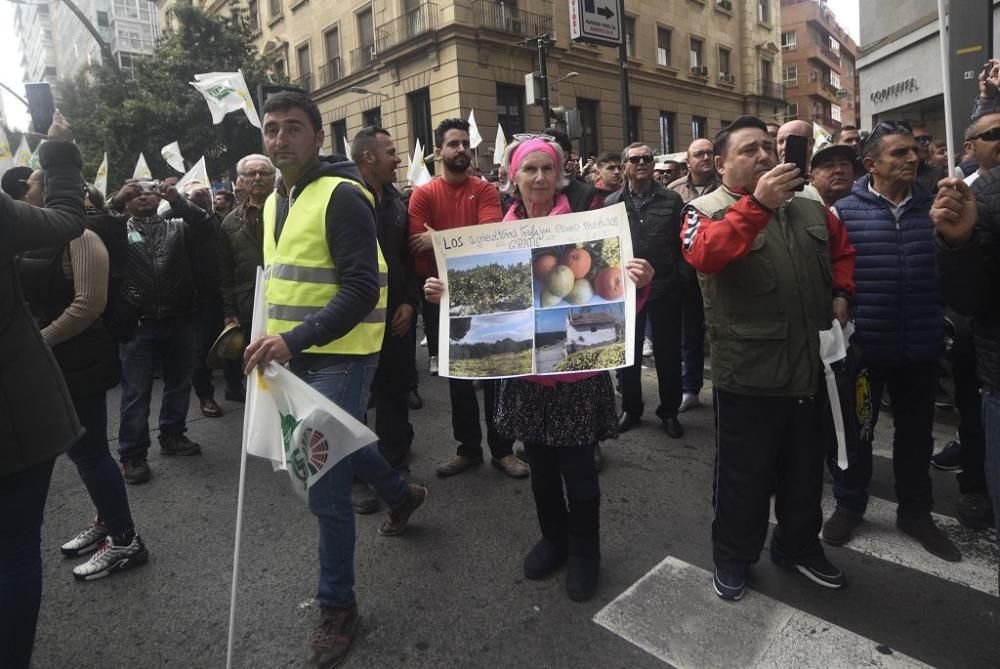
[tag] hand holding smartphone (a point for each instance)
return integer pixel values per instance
(41, 106)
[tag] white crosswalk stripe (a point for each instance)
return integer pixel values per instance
(672, 614)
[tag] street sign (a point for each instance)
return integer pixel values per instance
(595, 21)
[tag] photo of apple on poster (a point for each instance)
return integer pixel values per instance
(537, 296)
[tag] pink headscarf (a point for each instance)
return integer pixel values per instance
(530, 146)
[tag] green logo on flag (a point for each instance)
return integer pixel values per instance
(306, 455)
(221, 91)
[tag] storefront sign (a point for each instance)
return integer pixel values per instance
(896, 89)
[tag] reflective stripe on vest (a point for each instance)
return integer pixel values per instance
(300, 275)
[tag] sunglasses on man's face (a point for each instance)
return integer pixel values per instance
(888, 127)
(635, 160)
(991, 135)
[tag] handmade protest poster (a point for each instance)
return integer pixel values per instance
(536, 296)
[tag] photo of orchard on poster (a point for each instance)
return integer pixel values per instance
(536, 296)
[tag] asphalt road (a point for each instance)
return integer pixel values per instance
(449, 592)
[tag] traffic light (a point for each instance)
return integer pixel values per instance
(568, 120)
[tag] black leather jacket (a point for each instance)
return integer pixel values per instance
(160, 260)
(656, 236)
(970, 277)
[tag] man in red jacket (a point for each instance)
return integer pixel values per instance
(769, 263)
(455, 200)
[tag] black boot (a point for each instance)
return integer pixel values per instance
(544, 558)
(582, 567)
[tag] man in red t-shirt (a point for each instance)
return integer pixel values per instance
(455, 200)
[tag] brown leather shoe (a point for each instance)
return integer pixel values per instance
(396, 522)
(457, 465)
(511, 466)
(135, 469)
(209, 409)
(332, 638)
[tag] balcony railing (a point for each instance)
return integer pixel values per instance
(413, 23)
(305, 82)
(362, 57)
(830, 88)
(331, 72)
(507, 18)
(830, 53)
(770, 89)
(827, 121)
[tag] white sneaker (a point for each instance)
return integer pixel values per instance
(432, 367)
(647, 348)
(689, 401)
(423, 342)
(110, 558)
(85, 542)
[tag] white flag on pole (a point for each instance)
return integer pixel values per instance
(292, 424)
(197, 175)
(6, 155)
(347, 148)
(141, 170)
(23, 155)
(499, 146)
(821, 137)
(416, 159)
(101, 180)
(226, 92)
(172, 154)
(475, 139)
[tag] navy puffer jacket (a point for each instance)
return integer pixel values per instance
(898, 311)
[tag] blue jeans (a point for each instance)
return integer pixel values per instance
(97, 468)
(991, 425)
(347, 384)
(172, 341)
(23, 496)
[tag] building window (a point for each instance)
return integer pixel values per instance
(43, 9)
(50, 71)
(764, 11)
(699, 127)
(834, 79)
(419, 104)
(788, 40)
(668, 126)
(724, 63)
(765, 71)
(791, 111)
(102, 19)
(371, 118)
(305, 67)
(663, 46)
(630, 36)
(590, 142)
(790, 75)
(510, 109)
(835, 113)
(274, 6)
(279, 68)
(366, 29)
(253, 15)
(634, 124)
(338, 135)
(697, 53)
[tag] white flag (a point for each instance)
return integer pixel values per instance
(141, 170)
(499, 146)
(101, 180)
(226, 92)
(347, 148)
(172, 154)
(292, 424)
(415, 159)
(475, 139)
(197, 175)
(23, 155)
(6, 155)
(821, 137)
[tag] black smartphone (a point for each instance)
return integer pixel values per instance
(41, 106)
(796, 148)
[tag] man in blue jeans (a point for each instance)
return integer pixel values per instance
(967, 222)
(326, 312)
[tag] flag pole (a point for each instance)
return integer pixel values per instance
(239, 535)
(946, 81)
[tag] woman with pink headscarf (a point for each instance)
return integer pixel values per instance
(561, 418)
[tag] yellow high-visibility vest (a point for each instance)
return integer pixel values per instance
(301, 277)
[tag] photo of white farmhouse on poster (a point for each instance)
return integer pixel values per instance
(536, 296)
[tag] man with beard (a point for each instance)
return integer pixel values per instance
(831, 172)
(161, 267)
(455, 200)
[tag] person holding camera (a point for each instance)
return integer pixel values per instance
(160, 267)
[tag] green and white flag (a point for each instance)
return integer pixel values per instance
(821, 137)
(6, 155)
(172, 154)
(22, 157)
(141, 170)
(226, 92)
(101, 180)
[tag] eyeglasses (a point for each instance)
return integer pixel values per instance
(991, 135)
(703, 153)
(258, 173)
(635, 160)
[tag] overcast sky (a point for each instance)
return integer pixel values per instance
(10, 74)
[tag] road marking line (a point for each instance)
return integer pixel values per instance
(673, 614)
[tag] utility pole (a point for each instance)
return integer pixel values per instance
(623, 68)
(542, 43)
(105, 47)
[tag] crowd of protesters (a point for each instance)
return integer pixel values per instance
(733, 242)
